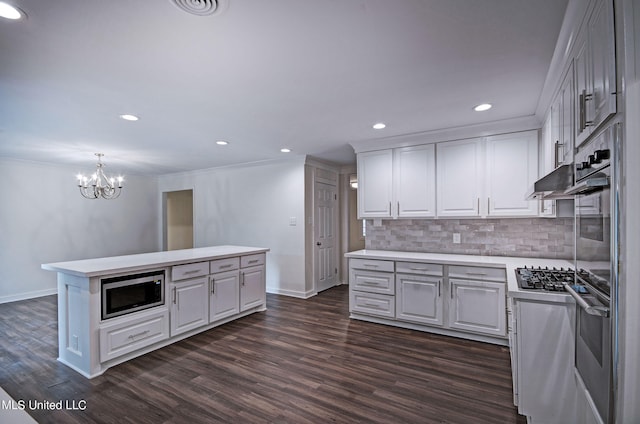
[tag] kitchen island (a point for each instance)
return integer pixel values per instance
(193, 290)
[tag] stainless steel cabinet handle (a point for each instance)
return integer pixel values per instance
(193, 271)
(213, 285)
(242, 278)
(439, 283)
(600, 311)
(174, 295)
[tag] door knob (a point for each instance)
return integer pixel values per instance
(318, 243)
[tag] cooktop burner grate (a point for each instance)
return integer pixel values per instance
(544, 278)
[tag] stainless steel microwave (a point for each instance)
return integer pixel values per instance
(130, 293)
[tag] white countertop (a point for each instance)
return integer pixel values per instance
(510, 263)
(118, 264)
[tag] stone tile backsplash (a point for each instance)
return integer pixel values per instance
(520, 237)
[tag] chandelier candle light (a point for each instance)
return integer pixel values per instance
(98, 185)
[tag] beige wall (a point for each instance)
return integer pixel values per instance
(179, 209)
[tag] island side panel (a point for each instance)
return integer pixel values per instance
(78, 318)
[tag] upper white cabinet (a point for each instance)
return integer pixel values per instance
(595, 71)
(414, 181)
(562, 123)
(487, 177)
(375, 174)
(512, 167)
(459, 186)
(397, 183)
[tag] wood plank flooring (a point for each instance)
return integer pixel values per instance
(301, 361)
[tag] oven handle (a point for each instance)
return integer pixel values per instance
(601, 311)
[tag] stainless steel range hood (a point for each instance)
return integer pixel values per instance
(553, 185)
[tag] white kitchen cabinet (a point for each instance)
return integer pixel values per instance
(372, 287)
(595, 71)
(419, 299)
(375, 182)
(512, 167)
(478, 306)
(414, 183)
(224, 293)
(563, 122)
(252, 287)
(459, 178)
(544, 340)
(189, 304)
(397, 183)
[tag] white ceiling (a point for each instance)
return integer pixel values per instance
(305, 74)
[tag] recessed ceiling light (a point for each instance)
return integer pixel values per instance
(379, 126)
(285, 150)
(11, 12)
(482, 107)
(221, 143)
(129, 117)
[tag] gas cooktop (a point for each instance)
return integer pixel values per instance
(544, 278)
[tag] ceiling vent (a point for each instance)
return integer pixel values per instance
(199, 7)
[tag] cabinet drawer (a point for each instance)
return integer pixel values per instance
(252, 260)
(372, 264)
(478, 273)
(419, 268)
(132, 334)
(372, 281)
(182, 272)
(222, 265)
(373, 304)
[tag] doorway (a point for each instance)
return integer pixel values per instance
(178, 220)
(326, 241)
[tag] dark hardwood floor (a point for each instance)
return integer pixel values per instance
(301, 361)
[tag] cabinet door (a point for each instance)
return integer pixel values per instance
(375, 184)
(583, 107)
(414, 185)
(252, 287)
(189, 305)
(567, 128)
(546, 164)
(512, 167)
(224, 292)
(601, 41)
(419, 299)
(459, 180)
(478, 306)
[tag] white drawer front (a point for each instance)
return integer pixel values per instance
(478, 273)
(371, 281)
(182, 272)
(133, 334)
(222, 265)
(372, 265)
(419, 268)
(373, 304)
(252, 260)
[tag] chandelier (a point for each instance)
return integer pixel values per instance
(98, 185)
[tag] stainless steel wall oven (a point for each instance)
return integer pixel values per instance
(130, 293)
(595, 290)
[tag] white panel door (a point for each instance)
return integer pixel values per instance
(459, 184)
(419, 299)
(414, 185)
(478, 306)
(375, 174)
(326, 243)
(512, 167)
(189, 305)
(252, 287)
(224, 292)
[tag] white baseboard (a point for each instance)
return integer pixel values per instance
(27, 295)
(292, 293)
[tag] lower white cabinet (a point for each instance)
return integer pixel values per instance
(252, 287)
(544, 339)
(419, 299)
(478, 306)
(127, 334)
(189, 304)
(463, 301)
(224, 295)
